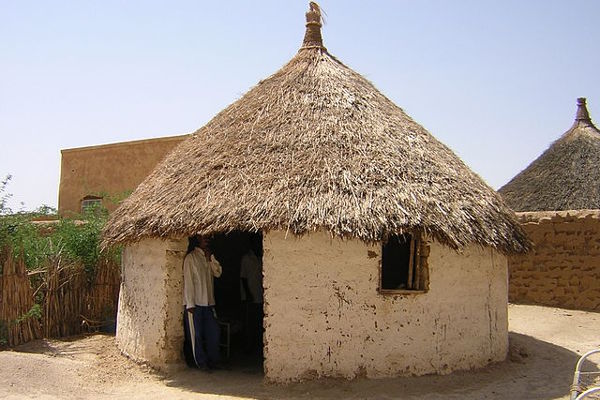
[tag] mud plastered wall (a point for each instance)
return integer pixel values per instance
(563, 270)
(150, 317)
(324, 315)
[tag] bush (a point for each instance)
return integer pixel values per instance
(75, 239)
(79, 240)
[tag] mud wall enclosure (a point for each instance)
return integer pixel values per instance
(150, 318)
(324, 315)
(563, 270)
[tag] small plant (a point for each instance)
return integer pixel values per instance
(4, 196)
(34, 312)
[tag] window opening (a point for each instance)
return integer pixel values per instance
(400, 264)
(90, 203)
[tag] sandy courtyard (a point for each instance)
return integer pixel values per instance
(545, 345)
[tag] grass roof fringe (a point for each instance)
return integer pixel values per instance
(314, 147)
(565, 176)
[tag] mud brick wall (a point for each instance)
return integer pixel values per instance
(563, 269)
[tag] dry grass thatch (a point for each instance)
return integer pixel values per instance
(565, 176)
(316, 146)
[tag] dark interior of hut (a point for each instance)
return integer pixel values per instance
(240, 316)
(396, 263)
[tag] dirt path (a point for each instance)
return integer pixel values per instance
(545, 345)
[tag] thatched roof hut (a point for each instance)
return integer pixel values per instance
(313, 147)
(565, 176)
(358, 210)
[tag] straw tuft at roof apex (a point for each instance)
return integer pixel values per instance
(314, 22)
(582, 111)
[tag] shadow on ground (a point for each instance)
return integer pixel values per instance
(533, 370)
(69, 346)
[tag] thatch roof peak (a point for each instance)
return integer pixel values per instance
(582, 112)
(316, 146)
(565, 176)
(314, 22)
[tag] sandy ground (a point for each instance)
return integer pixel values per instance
(545, 345)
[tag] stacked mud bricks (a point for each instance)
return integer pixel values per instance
(563, 269)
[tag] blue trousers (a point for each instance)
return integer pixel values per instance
(204, 335)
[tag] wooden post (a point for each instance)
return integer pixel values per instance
(417, 264)
(409, 283)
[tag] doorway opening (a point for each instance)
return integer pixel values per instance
(239, 298)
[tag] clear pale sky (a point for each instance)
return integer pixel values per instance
(496, 81)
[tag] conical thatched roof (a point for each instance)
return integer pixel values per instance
(316, 146)
(566, 176)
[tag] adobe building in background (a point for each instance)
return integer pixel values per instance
(106, 174)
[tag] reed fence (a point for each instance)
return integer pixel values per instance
(18, 322)
(57, 300)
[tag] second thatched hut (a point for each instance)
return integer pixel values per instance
(383, 255)
(558, 202)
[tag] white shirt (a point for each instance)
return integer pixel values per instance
(198, 279)
(251, 270)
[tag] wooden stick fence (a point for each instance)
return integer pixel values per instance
(69, 303)
(101, 300)
(18, 322)
(64, 289)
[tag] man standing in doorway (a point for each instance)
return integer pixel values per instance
(199, 269)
